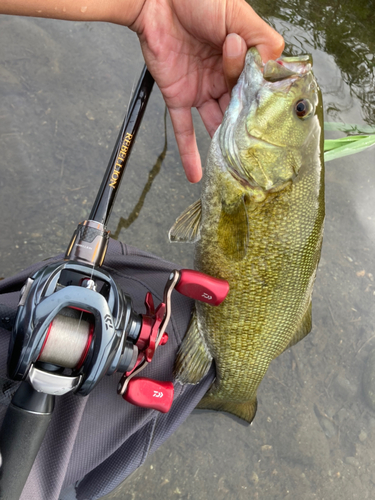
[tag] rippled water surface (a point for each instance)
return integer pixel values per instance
(64, 89)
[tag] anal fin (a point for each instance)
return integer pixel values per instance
(193, 358)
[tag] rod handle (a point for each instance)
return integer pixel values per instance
(21, 436)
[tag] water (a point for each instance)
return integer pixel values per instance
(64, 88)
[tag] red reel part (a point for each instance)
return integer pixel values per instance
(148, 393)
(202, 287)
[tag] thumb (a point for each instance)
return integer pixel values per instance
(244, 21)
(234, 53)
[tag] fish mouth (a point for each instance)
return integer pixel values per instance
(283, 68)
(286, 67)
(278, 75)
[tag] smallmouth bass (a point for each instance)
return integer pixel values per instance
(258, 225)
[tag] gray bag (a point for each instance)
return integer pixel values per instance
(93, 443)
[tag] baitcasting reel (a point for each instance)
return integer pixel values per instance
(74, 325)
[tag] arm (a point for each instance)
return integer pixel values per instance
(120, 12)
(195, 50)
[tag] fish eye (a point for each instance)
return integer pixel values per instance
(302, 108)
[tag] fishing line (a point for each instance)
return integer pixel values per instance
(68, 328)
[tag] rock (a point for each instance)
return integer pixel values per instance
(343, 387)
(254, 478)
(352, 461)
(342, 415)
(304, 445)
(362, 436)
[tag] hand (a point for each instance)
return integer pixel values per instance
(195, 50)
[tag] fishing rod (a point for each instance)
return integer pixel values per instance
(74, 324)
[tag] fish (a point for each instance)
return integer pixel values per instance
(259, 225)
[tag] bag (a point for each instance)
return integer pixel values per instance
(93, 443)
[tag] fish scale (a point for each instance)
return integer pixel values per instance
(253, 318)
(260, 226)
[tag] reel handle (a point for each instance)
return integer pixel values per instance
(148, 393)
(202, 287)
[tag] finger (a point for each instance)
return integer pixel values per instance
(234, 53)
(211, 114)
(244, 21)
(183, 127)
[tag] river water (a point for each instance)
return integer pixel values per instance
(64, 88)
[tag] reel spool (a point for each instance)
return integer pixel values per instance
(68, 339)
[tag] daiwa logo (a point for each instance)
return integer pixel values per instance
(206, 296)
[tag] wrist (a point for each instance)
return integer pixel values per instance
(124, 12)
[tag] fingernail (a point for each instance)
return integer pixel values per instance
(234, 45)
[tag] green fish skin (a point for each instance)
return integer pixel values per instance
(258, 225)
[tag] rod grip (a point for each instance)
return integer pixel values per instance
(21, 436)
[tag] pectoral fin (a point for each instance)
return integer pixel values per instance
(233, 230)
(193, 358)
(187, 226)
(245, 411)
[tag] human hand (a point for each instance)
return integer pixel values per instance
(195, 50)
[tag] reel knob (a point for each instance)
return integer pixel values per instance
(202, 287)
(149, 393)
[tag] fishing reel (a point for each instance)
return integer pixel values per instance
(74, 325)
